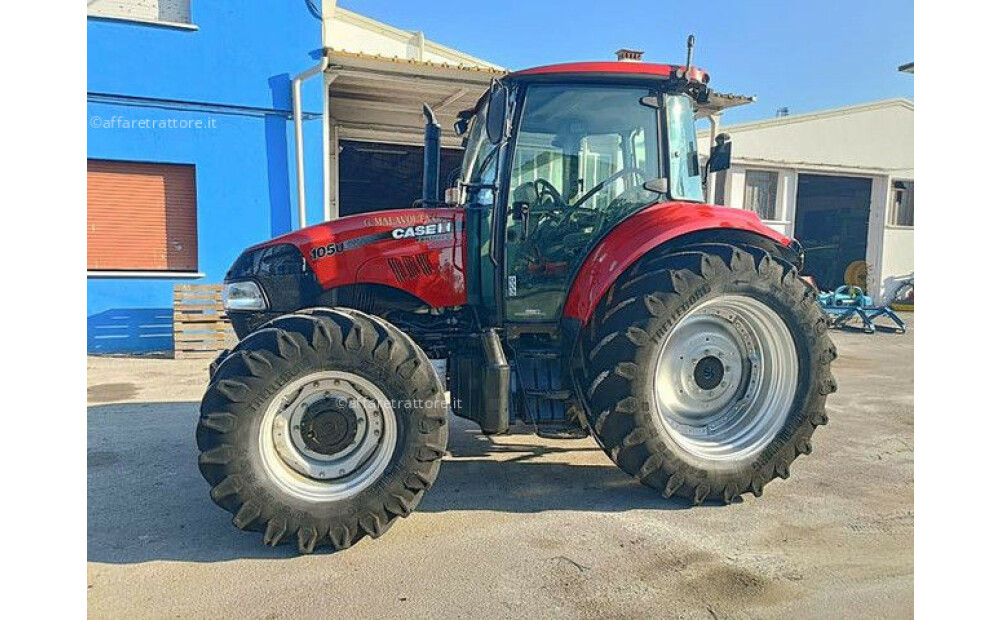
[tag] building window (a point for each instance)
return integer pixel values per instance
(141, 217)
(761, 193)
(902, 203)
(719, 193)
(167, 11)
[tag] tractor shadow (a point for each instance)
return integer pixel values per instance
(522, 472)
(147, 501)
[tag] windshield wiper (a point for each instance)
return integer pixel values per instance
(479, 171)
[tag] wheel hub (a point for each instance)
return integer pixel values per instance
(329, 426)
(708, 372)
(725, 377)
(328, 435)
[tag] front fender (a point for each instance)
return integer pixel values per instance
(643, 231)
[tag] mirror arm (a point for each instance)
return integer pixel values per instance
(706, 169)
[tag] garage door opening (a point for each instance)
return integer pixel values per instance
(376, 177)
(831, 223)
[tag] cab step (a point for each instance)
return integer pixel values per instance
(540, 354)
(549, 394)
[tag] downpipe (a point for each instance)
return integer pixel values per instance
(300, 173)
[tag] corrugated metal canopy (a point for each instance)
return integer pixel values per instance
(379, 99)
(717, 102)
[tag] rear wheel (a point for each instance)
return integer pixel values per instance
(322, 427)
(706, 370)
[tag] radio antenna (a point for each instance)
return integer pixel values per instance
(687, 69)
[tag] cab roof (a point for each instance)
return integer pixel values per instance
(616, 68)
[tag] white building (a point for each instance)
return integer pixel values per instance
(840, 181)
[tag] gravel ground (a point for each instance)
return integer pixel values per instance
(516, 526)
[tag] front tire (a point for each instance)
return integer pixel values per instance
(322, 427)
(706, 370)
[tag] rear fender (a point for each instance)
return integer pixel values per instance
(645, 230)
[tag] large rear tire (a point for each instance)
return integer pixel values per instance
(706, 370)
(322, 427)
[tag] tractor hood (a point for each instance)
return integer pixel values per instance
(420, 251)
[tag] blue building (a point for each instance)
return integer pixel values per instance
(191, 149)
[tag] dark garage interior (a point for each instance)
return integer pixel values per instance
(376, 176)
(831, 222)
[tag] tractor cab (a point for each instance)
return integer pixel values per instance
(557, 156)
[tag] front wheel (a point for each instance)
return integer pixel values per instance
(322, 427)
(706, 370)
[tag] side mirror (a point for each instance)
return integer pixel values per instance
(462, 123)
(496, 114)
(721, 153)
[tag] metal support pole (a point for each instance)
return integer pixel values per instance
(300, 173)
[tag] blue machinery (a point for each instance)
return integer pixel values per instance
(849, 302)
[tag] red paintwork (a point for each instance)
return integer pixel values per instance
(369, 263)
(642, 232)
(630, 68)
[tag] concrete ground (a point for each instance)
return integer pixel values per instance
(516, 526)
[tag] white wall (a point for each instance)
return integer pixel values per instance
(897, 259)
(896, 247)
(868, 137)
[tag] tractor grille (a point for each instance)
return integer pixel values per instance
(410, 267)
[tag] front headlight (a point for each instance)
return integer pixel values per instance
(244, 295)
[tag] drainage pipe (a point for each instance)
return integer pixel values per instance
(300, 173)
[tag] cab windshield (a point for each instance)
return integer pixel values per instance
(586, 147)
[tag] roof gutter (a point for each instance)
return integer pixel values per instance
(300, 173)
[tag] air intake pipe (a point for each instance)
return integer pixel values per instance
(432, 158)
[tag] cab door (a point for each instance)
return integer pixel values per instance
(581, 155)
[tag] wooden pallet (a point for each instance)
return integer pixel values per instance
(201, 328)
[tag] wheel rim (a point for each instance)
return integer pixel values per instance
(724, 379)
(327, 436)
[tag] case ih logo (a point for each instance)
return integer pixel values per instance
(406, 232)
(423, 230)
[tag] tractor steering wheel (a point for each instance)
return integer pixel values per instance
(593, 190)
(543, 187)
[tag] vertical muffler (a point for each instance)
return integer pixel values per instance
(432, 158)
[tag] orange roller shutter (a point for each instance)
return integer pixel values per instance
(141, 217)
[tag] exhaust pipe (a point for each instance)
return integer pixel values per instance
(432, 158)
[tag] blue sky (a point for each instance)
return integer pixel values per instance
(806, 56)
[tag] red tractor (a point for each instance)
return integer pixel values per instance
(573, 278)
